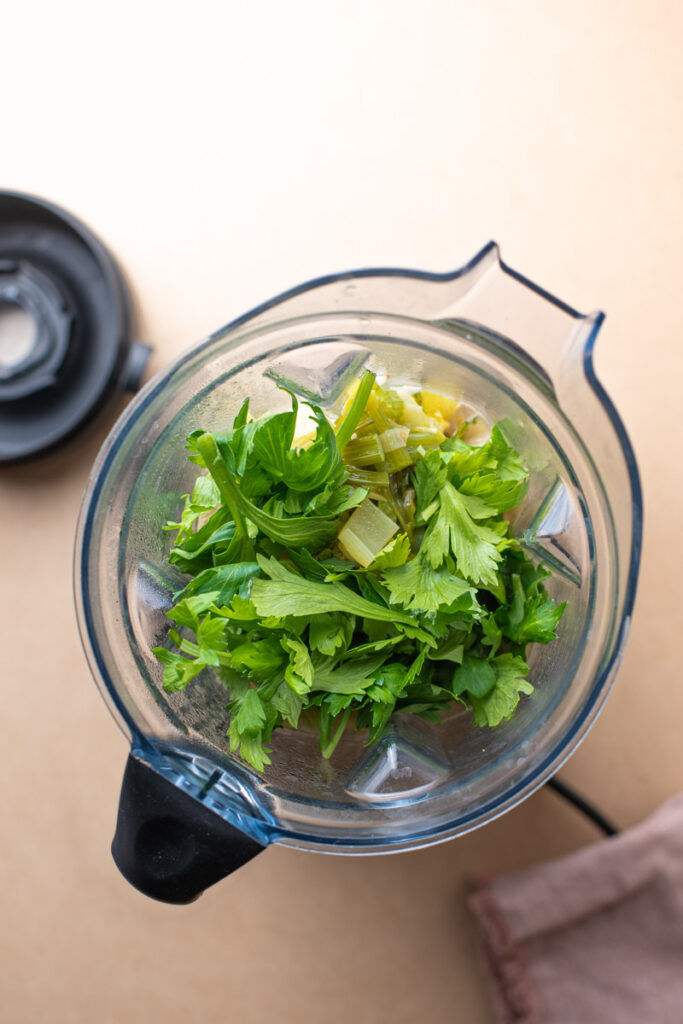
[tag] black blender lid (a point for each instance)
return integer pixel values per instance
(73, 351)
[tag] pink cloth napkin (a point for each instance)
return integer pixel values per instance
(592, 938)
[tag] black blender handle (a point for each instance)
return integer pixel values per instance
(167, 844)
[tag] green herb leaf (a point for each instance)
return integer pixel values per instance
(429, 476)
(350, 677)
(499, 495)
(331, 632)
(250, 715)
(299, 671)
(178, 671)
(538, 623)
(417, 585)
(222, 583)
(492, 634)
(258, 658)
(501, 701)
(454, 530)
(211, 640)
(288, 704)
(475, 676)
(395, 553)
(285, 593)
(306, 468)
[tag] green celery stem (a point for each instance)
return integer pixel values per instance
(208, 449)
(352, 418)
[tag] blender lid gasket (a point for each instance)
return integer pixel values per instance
(65, 327)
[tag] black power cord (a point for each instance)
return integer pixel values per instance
(583, 805)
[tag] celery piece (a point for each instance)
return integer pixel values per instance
(355, 411)
(396, 455)
(425, 438)
(365, 426)
(365, 533)
(396, 460)
(377, 413)
(390, 402)
(364, 451)
(368, 477)
(394, 439)
(404, 503)
(388, 508)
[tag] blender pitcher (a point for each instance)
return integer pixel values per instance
(190, 811)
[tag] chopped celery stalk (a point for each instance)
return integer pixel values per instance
(365, 533)
(390, 402)
(365, 426)
(428, 512)
(435, 404)
(368, 477)
(396, 460)
(404, 503)
(394, 439)
(364, 451)
(388, 508)
(425, 438)
(377, 414)
(355, 411)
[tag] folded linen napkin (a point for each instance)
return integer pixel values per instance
(592, 938)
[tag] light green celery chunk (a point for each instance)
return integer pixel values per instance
(365, 533)
(398, 459)
(364, 451)
(368, 477)
(425, 438)
(390, 402)
(366, 425)
(354, 413)
(394, 439)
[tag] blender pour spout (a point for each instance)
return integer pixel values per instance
(509, 311)
(167, 844)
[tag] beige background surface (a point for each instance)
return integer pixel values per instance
(226, 151)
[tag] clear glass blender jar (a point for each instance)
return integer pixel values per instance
(191, 811)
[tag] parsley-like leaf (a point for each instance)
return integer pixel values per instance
(300, 469)
(476, 676)
(396, 552)
(221, 583)
(331, 632)
(299, 671)
(538, 623)
(258, 658)
(429, 476)
(501, 701)
(417, 585)
(250, 715)
(351, 677)
(455, 530)
(178, 671)
(285, 593)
